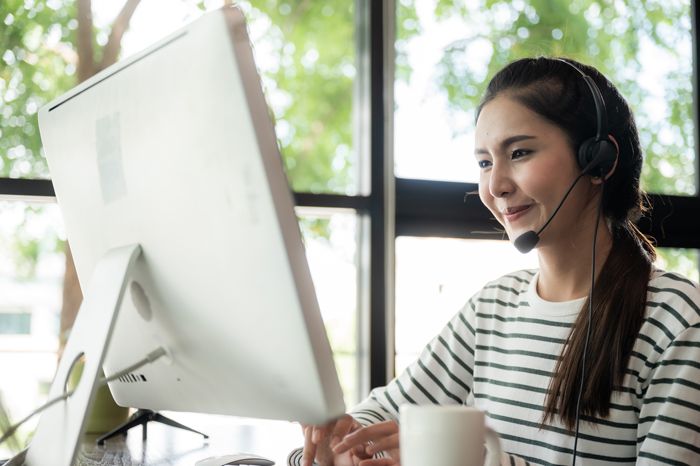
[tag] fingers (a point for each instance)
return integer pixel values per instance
(390, 442)
(371, 433)
(342, 427)
(315, 444)
(309, 454)
(385, 432)
(317, 440)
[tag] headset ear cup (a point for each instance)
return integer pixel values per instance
(585, 153)
(607, 154)
(598, 156)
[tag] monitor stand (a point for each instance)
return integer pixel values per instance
(142, 417)
(59, 433)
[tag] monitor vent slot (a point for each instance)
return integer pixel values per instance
(133, 378)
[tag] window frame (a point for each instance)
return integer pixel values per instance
(405, 207)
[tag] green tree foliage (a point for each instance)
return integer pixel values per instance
(408, 26)
(622, 39)
(15, 442)
(37, 64)
(684, 261)
(306, 51)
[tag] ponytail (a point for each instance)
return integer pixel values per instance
(619, 302)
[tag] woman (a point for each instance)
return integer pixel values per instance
(517, 348)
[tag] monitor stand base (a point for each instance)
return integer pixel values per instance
(58, 434)
(142, 417)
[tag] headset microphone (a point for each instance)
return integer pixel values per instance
(527, 241)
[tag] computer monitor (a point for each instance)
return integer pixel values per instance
(174, 149)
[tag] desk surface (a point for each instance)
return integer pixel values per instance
(174, 447)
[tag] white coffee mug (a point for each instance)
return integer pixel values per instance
(451, 435)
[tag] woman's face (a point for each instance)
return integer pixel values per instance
(527, 165)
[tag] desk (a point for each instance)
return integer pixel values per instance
(167, 446)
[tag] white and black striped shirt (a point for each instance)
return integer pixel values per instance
(499, 352)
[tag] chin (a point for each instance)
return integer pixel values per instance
(512, 234)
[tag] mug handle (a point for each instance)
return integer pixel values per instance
(493, 448)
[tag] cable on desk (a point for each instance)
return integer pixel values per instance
(150, 357)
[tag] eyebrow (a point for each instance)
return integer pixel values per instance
(507, 142)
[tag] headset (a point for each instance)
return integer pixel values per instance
(596, 155)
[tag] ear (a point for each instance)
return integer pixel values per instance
(599, 180)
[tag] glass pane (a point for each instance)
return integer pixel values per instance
(15, 323)
(36, 65)
(330, 239)
(447, 51)
(305, 51)
(682, 261)
(435, 277)
(31, 273)
(31, 280)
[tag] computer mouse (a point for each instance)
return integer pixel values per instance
(240, 458)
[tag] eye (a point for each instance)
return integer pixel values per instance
(484, 164)
(518, 153)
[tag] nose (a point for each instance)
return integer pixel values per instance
(501, 182)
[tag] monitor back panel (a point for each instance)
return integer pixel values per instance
(174, 149)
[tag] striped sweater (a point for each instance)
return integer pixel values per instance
(499, 352)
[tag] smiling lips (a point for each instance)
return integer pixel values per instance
(511, 214)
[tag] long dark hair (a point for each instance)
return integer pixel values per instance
(558, 93)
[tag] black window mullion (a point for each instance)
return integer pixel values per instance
(332, 201)
(378, 363)
(449, 209)
(696, 85)
(26, 189)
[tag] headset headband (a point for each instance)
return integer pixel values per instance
(601, 113)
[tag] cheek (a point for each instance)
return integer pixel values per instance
(540, 181)
(553, 189)
(538, 185)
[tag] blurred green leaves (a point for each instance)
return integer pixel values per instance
(309, 66)
(306, 52)
(27, 234)
(620, 38)
(37, 64)
(14, 442)
(683, 261)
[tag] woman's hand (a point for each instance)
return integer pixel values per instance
(320, 440)
(371, 440)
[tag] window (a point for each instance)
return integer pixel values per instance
(31, 282)
(434, 279)
(679, 260)
(306, 55)
(447, 52)
(351, 83)
(436, 276)
(15, 323)
(331, 240)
